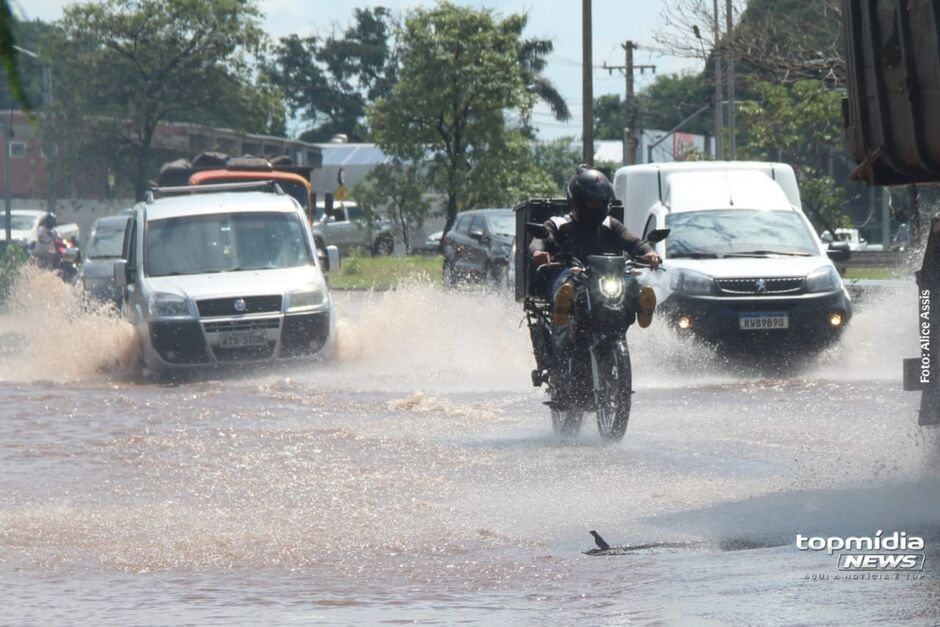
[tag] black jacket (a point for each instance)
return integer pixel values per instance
(567, 235)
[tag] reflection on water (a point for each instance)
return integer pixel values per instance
(415, 478)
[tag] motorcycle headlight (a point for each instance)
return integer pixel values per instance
(690, 282)
(163, 305)
(826, 279)
(611, 287)
(304, 299)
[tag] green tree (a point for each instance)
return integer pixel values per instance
(507, 174)
(331, 81)
(400, 186)
(559, 159)
(800, 125)
(608, 117)
(128, 65)
(458, 78)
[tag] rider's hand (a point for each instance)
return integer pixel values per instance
(540, 258)
(652, 259)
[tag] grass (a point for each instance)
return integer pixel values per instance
(872, 273)
(384, 273)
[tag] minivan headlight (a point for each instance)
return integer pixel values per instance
(164, 305)
(690, 282)
(304, 299)
(825, 279)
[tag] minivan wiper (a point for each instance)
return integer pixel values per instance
(693, 256)
(764, 253)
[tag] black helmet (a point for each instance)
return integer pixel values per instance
(49, 221)
(589, 195)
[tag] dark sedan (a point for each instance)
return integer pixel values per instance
(477, 247)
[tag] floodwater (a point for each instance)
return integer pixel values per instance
(414, 478)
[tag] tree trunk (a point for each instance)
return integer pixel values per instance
(405, 234)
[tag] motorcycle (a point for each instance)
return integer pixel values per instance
(580, 347)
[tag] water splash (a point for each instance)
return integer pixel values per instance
(53, 331)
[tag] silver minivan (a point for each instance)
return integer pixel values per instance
(224, 273)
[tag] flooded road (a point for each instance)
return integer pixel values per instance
(414, 477)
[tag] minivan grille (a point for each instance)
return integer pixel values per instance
(761, 287)
(226, 306)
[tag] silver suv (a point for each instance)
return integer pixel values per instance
(346, 228)
(226, 276)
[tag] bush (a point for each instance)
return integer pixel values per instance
(12, 258)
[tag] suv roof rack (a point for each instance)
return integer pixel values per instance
(156, 192)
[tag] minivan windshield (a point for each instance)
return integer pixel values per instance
(737, 232)
(225, 242)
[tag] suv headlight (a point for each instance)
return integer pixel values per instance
(164, 305)
(826, 279)
(304, 299)
(690, 282)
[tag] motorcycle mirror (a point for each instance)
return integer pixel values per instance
(657, 235)
(536, 230)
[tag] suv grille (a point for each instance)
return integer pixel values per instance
(226, 306)
(761, 287)
(242, 325)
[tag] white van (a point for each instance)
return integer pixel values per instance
(744, 265)
(219, 276)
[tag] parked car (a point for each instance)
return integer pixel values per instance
(24, 226)
(104, 246)
(477, 247)
(218, 276)
(745, 269)
(432, 243)
(345, 227)
(852, 237)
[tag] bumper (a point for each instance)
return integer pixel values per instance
(173, 344)
(717, 319)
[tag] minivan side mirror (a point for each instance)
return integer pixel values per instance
(657, 235)
(120, 273)
(332, 258)
(839, 251)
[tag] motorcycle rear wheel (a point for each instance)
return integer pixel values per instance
(614, 399)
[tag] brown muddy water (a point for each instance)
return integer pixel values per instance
(414, 478)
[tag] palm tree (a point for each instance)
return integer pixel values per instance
(532, 55)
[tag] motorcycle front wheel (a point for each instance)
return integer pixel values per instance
(615, 381)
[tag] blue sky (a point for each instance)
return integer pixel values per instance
(559, 20)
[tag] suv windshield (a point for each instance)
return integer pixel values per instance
(502, 225)
(719, 233)
(225, 242)
(106, 242)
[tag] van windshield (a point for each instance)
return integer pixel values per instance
(107, 242)
(225, 242)
(18, 223)
(720, 233)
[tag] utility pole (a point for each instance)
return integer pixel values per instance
(729, 52)
(587, 84)
(630, 142)
(716, 57)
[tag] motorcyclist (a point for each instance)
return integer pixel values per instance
(46, 250)
(588, 230)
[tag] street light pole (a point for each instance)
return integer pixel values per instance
(587, 84)
(716, 57)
